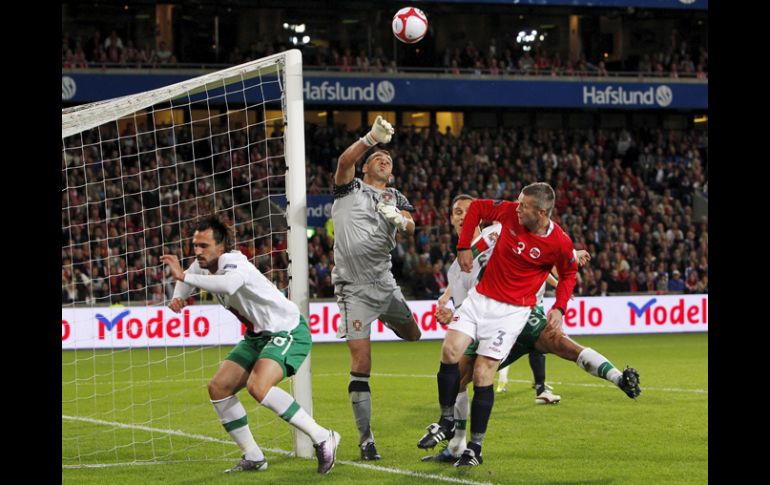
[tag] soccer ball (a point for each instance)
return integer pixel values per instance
(410, 25)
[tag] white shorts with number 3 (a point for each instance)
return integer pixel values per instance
(494, 324)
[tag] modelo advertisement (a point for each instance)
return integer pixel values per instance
(118, 326)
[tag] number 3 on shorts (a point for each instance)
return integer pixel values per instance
(499, 339)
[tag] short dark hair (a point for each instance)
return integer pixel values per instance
(543, 194)
(220, 227)
(376, 152)
(461, 197)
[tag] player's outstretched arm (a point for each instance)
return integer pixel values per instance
(381, 132)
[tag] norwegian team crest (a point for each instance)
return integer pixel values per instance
(534, 253)
(387, 197)
(357, 325)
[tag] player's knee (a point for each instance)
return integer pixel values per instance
(450, 353)
(216, 390)
(361, 362)
(258, 390)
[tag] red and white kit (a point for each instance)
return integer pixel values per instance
(514, 274)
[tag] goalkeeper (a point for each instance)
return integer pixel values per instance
(276, 342)
(366, 216)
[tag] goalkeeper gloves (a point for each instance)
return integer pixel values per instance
(381, 132)
(393, 215)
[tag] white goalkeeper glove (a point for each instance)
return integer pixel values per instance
(393, 215)
(381, 132)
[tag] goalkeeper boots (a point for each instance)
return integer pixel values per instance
(369, 452)
(629, 382)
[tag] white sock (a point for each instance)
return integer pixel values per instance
(502, 376)
(461, 412)
(233, 417)
(597, 365)
(284, 405)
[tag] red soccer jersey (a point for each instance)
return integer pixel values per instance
(521, 260)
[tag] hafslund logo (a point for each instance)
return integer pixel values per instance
(661, 96)
(384, 92)
(68, 88)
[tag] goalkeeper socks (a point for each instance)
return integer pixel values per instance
(284, 405)
(597, 365)
(361, 399)
(448, 378)
(481, 409)
(537, 363)
(233, 417)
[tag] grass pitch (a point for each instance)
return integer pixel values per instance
(143, 416)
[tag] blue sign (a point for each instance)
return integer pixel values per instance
(383, 92)
(504, 93)
(319, 208)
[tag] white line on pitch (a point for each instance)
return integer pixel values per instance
(272, 450)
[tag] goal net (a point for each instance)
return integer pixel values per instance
(137, 171)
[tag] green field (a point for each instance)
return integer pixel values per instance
(144, 416)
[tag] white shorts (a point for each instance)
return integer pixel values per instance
(493, 324)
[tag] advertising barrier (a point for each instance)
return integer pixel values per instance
(119, 327)
(402, 90)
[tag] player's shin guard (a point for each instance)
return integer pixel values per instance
(233, 417)
(598, 365)
(361, 399)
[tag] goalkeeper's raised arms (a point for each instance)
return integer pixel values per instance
(381, 132)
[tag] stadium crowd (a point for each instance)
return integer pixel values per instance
(626, 196)
(677, 59)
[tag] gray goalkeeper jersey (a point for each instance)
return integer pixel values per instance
(363, 238)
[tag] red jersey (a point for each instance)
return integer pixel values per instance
(521, 260)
